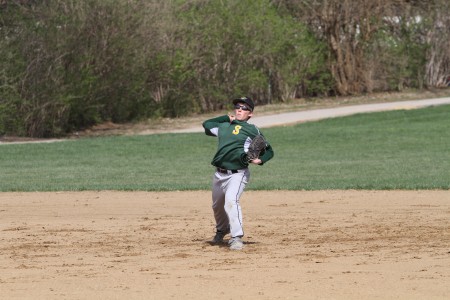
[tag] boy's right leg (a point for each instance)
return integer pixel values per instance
(218, 205)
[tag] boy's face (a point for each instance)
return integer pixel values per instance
(242, 111)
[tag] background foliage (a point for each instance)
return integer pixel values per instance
(66, 65)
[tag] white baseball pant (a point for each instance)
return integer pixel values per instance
(226, 193)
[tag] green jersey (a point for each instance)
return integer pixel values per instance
(234, 139)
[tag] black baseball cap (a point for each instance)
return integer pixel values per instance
(245, 100)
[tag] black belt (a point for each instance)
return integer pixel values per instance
(225, 171)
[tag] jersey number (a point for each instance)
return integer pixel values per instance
(236, 129)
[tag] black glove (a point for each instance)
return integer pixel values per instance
(256, 147)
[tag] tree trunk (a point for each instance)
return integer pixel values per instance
(437, 69)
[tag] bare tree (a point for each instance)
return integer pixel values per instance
(437, 69)
(348, 27)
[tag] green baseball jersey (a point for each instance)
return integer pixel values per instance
(234, 139)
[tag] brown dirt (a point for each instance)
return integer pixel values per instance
(298, 245)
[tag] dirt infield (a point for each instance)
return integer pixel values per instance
(299, 245)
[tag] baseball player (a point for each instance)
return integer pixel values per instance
(232, 174)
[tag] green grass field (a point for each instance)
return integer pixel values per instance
(388, 150)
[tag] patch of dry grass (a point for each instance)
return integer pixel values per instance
(161, 125)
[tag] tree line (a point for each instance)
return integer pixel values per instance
(70, 64)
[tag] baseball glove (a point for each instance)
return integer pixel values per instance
(255, 148)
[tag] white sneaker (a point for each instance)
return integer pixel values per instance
(236, 243)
